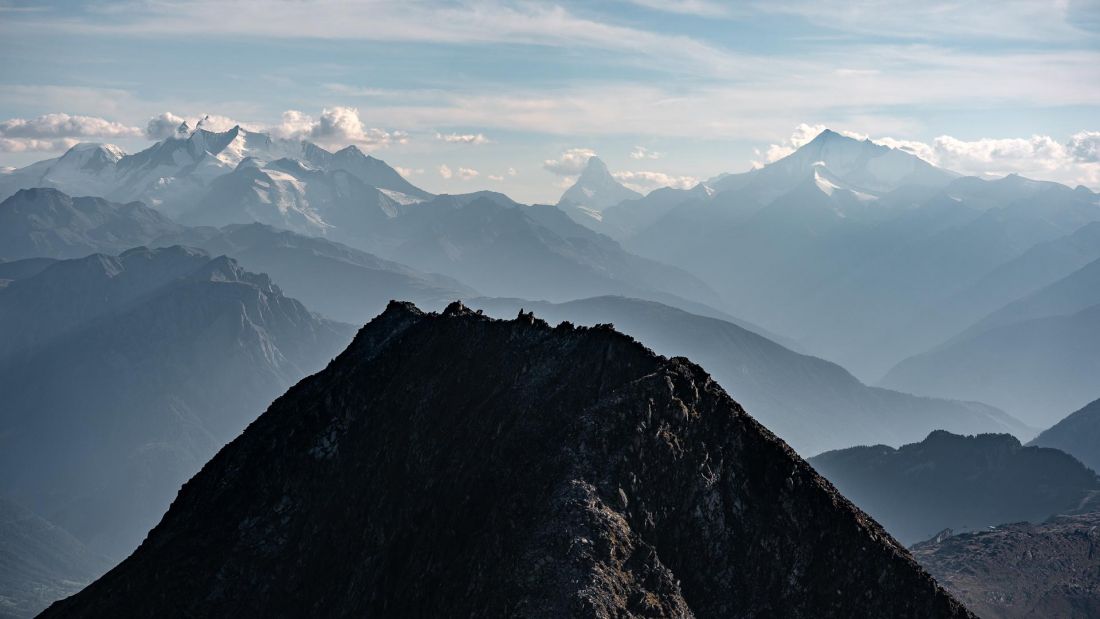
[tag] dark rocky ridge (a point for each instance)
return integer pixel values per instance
(1022, 570)
(455, 465)
(957, 482)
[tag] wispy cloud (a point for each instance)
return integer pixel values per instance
(700, 8)
(641, 152)
(462, 138)
(487, 21)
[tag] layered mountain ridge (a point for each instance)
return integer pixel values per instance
(122, 374)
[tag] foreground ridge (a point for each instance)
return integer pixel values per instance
(452, 464)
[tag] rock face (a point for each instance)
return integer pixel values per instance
(1022, 570)
(957, 482)
(455, 465)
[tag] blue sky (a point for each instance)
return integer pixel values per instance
(665, 92)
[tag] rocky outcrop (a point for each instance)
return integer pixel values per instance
(1022, 570)
(455, 465)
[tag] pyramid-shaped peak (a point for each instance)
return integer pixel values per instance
(595, 165)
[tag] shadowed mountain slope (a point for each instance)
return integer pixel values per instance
(454, 465)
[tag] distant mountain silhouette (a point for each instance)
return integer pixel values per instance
(1022, 570)
(338, 281)
(957, 482)
(506, 249)
(594, 190)
(859, 251)
(45, 223)
(1035, 369)
(812, 404)
(1076, 291)
(1077, 435)
(552, 472)
(122, 374)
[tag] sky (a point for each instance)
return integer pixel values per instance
(514, 96)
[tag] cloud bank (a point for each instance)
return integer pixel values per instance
(51, 132)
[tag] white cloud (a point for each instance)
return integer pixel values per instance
(462, 138)
(1085, 146)
(52, 132)
(164, 125)
(495, 177)
(570, 163)
(467, 173)
(336, 126)
(218, 123)
(408, 172)
(168, 125)
(645, 181)
(23, 145)
(445, 171)
(512, 172)
(1038, 155)
(641, 152)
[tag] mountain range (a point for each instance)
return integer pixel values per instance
(338, 281)
(484, 240)
(46, 223)
(122, 374)
(181, 174)
(862, 253)
(554, 472)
